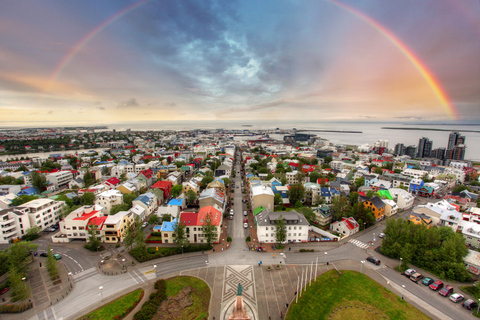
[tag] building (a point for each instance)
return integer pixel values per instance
(167, 230)
(424, 148)
(60, 179)
(296, 226)
(112, 183)
(323, 215)
(194, 223)
(74, 226)
(13, 225)
(108, 199)
(262, 196)
(42, 213)
(148, 201)
(399, 149)
(376, 205)
(420, 218)
(116, 225)
(10, 188)
(346, 227)
(455, 139)
(165, 186)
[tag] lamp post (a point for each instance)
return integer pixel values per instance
(101, 291)
(103, 268)
(478, 305)
(325, 257)
(361, 266)
(401, 262)
(23, 279)
(403, 288)
(155, 267)
(182, 249)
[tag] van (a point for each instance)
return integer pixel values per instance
(416, 277)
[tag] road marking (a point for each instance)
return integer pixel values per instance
(358, 243)
(66, 255)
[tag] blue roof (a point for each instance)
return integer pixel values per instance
(145, 198)
(29, 191)
(169, 226)
(325, 192)
(175, 202)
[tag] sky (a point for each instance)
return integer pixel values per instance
(102, 62)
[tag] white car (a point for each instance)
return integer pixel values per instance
(409, 272)
(145, 224)
(245, 225)
(456, 297)
(381, 235)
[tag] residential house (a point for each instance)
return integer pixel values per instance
(165, 186)
(6, 201)
(415, 185)
(127, 188)
(195, 221)
(60, 178)
(172, 211)
(168, 230)
(149, 176)
(139, 212)
(376, 205)
(296, 226)
(312, 193)
(323, 215)
(159, 194)
(42, 213)
(436, 210)
(108, 199)
(116, 225)
(262, 196)
(190, 185)
(391, 207)
(74, 226)
(112, 183)
(420, 218)
(148, 201)
(76, 183)
(212, 197)
(346, 227)
(403, 198)
(10, 188)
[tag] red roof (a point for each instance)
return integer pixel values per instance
(113, 181)
(216, 215)
(162, 184)
(189, 218)
(86, 216)
(97, 220)
(147, 173)
(293, 164)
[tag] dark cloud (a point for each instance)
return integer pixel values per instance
(127, 104)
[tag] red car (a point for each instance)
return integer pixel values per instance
(445, 291)
(4, 290)
(437, 285)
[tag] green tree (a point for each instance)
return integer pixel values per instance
(88, 179)
(460, 188)
(179, 164)
(123, 177)
(359, 182)
(52, 264)
(176, 190)
(19, 256)
(296, 193)
(87, 199)
(167, 217)
(340, 207)
(308, 213)
(226, 181)
(206, 180)
(119, 207)
(277, 200)
(153, 219)
(314, 176)
(378, 170)
(191, 196)
(139, 235)
(209, 229)
(22, 199)
(283, 181)
(128, 198)
(280, 230)
(179, 234)
(370, 194)
(39, 181)
(22, 168)
(93, 237)
(20, 292)
(128, 236)
(353, 198)
(32, 233)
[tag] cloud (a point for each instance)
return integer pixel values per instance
(100, 108)
(130, 103)
(50, 112)
(170, 104)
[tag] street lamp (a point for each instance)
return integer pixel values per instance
(361, 266)
(103, 268)
(155, 267)
(478, 305)
(101, 292)
(182, 249)
(325, 257)
(403, 288)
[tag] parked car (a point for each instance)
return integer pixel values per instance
(50, 229)
(409, 272)
(437, 285)
(144, 225)
(245, 212)
(43, 254)
(4, 290)
(416, 277)
(456, 297)
(469, 304)
(373, 260)
(446, 291)
(427, 281)
(57, 256)
(245, 225)
(381, 235)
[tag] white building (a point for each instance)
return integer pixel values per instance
(295, 223)
(346, 227)
(42, 212)
(108, 199)
(74, 226)
(403, 198)
(13, 225)
(60, 178)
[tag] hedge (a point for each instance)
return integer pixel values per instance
(15, 308)
(150, 307)
(150, 253)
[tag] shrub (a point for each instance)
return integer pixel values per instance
(15, 308)
(248, 239)
(229, 239)
(142, 254)
(307, 250)
(150, 307)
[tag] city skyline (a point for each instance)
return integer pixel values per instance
(153, 60)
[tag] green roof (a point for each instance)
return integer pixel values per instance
(385, 194)
(185, 168)
(258, 210)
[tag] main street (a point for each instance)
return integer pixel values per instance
(347, 253)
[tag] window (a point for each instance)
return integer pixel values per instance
(266, 228)
(74, 228)
(294, 234)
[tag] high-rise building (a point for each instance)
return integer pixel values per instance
(455, 139)
(424, 148)
(399, 149)
(459, 152)
(438, 153)
(411, 151)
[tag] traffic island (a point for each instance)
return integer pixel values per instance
(114, 264)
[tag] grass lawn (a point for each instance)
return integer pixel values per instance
(155, 238)
(337, 297)
(200, 296)
(118, 307)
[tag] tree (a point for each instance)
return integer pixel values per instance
(209, 229)
(22, 199)
(179, 164)
(179, 234)
(328, 159)
(128, 236)
(176, 190)
(460, 188)
(20, 292)
(296, 193)
(378, 170)
(119, 207)
(353, 198)
(283, 181)
(93, 239)
(87, 199)
(340, 207)
(359, 182)
(39, 181)
(226, 181)
(280, 230)
(32, 233)
(277, 200)
(123, 177)
(88, 179)
(153, 219)
(314, 176)
(167, 217)
(206, 180)
(300, 176)
(19, 256)
(191, 196)
(128, 198)
(370, 194)
(22, 168)
(52, 264)
(139, 235)
(397, 171)
(308, 213)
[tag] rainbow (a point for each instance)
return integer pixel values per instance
(89, 36)
(409, 54)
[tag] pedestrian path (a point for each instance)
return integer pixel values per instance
(358, 243)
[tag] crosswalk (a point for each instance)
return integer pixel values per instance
(358, 243)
